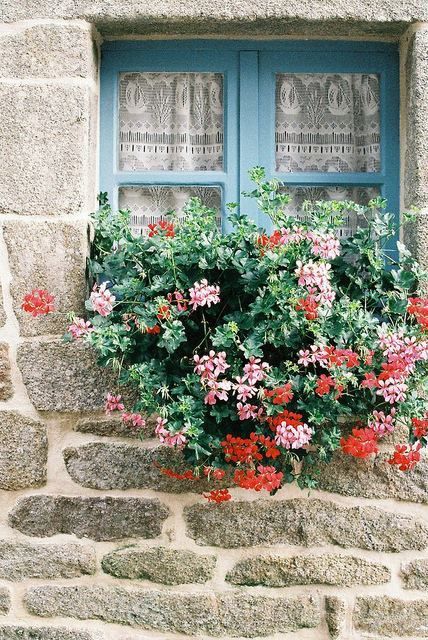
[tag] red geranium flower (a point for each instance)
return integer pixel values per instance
(406, 457)
(324, 384)
(216, 473)
(361, 444)
(186, 475)
(265, 478)
(309, 305)
(241, 449)
(39, 302)
(418, 307)
(218, 495)
(155, 329)
(280, 395)
(370, 381)
(163, 225)
(164, 312)
(420, 427)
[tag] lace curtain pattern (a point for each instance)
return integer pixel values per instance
(171, 122)
(148, 205)
(327, 122)
(351, 221)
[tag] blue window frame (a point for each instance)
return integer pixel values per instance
(249, 69)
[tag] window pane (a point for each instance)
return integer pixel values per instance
(148, 205)
(327, 122)
(351, 221)
(171, 122)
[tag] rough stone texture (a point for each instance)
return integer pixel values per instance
(100, 465)
(274, 571)
(391, 616)
(23, 451)
(63, 376)
(303, 522)
(55, 259)
(6, 387)
(373, 478)
(4, 600)
(192, 613)
(44, 633)
(114, 427)
(415, 574)
(237, 16)
(2, 311)
(97, 518)
(48, 51)
(335, 616)
(47, 162)
(20, 560)
(166, 566)
(416, 179)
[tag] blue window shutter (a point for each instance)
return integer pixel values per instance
(249, 69)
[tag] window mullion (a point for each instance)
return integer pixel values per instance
(248, 126)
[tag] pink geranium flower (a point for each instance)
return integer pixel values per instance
(203, 294)
(167, 438)
(113, 403)
(79, 328)
(102, 300)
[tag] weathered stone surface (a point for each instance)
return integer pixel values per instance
(4, 600)
(23, 451)
(48, 51)
(274, 571)
(415, 574)
(104, 518)
(335, 616)
(416, 178)
(114, 427)
(391, 616)
(236, 17)
(192, 613)
(6, 387)
(12, 632)
(306, 522)
(2, 311)
(373, 478)
(166, 566)
(55, 259)
(100, 465)
(63, 376)
(46, 159)
(20, 560)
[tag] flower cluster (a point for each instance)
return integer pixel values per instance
(38, 303)
(203, 294)
(102, 299)
(168, 438)
(254, 348)
(163, 228)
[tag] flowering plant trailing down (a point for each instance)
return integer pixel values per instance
(253, 348)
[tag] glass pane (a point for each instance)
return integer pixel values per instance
(327, 122)
(352, 221)
(171, 121)
(148, 205)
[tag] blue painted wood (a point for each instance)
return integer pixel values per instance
(306, 45)
(249, 69)
(249, 128)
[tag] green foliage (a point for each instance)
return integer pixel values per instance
(257, 316)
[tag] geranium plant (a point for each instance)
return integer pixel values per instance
(259, 351)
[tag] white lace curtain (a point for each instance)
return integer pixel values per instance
(327, 122)
(148, 205)
(351, 220)
(171, 122)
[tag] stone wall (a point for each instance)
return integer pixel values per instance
(94, 544)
